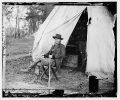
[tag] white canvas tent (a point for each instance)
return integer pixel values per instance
(100, 39)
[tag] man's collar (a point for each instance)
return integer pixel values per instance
(57, 44)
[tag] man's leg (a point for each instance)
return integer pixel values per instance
(32, 66)
(58, 65)
(43, 62)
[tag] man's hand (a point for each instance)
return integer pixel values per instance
(50, 56)
(43, 56)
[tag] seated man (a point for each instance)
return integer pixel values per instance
(56, 53)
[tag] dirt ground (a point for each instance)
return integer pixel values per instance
(18, 57)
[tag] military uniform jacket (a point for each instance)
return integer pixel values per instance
(58, 52)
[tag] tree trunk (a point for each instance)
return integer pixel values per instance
(18, 22)
(29, 27)
(16, 28)
(17, 33)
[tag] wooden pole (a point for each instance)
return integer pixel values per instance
(3, 58)
(49, 77)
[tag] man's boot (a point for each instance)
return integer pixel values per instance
(30, 69)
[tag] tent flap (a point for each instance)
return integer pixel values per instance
(100, 44)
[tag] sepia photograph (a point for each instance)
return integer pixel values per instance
(59, 49)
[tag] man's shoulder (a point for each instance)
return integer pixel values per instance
(62, 45)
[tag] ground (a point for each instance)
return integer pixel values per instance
(18, 56)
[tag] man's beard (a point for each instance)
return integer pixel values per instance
(57, 43)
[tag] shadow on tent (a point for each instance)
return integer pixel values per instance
(75, 59)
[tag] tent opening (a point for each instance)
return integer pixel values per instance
(76, 47)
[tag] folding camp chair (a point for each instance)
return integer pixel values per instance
(45, 70)
(53, 70)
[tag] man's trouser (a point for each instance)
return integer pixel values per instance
(43, 62)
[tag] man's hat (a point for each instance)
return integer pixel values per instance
(58, 36)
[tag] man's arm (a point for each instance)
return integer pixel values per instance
(49, 52)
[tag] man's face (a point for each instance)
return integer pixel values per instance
(57, 41)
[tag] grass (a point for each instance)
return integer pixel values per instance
(19, 46)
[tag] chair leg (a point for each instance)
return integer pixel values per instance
(40, 70)
(44, 73)
(54, 73)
